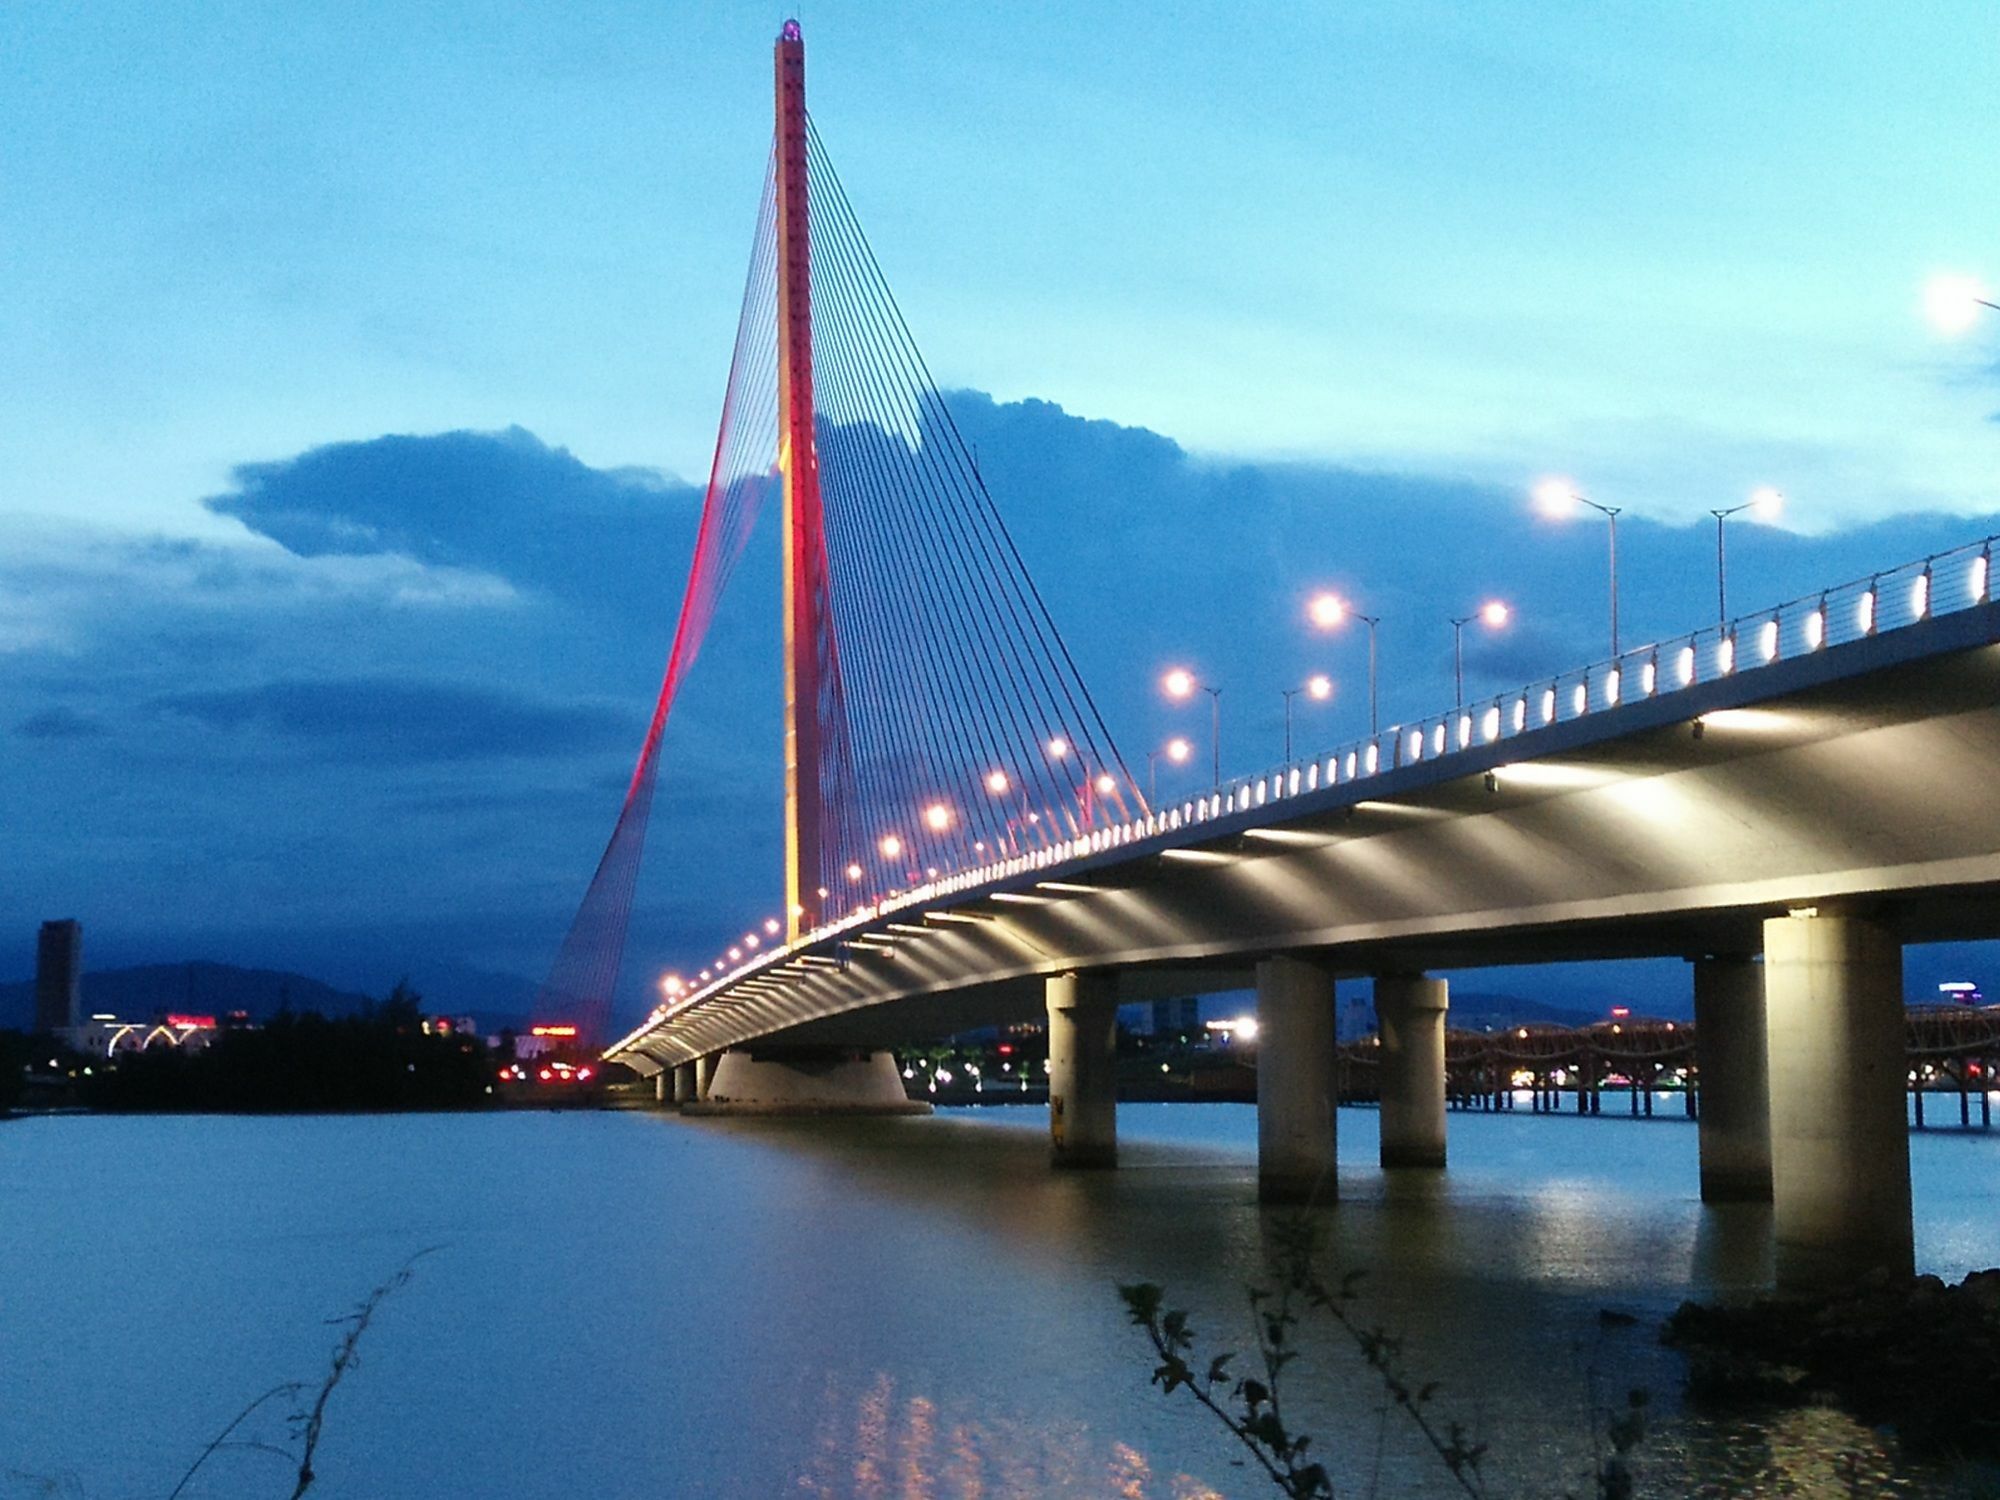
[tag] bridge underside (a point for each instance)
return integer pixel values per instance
(1860, 777)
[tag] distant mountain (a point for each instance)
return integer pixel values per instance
(200, 988)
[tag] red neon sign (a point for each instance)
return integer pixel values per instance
(553, 1031)
(200, 1023)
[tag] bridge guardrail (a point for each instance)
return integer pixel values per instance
(1888, 600)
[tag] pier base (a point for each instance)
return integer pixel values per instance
(1733, 1065)
(1410, 1012)
(1083, 1083)
(1840, 1151)
(806, 1082)
(684, 1087)
(1295, 1082)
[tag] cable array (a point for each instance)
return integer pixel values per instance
(958, 729)
(742, 476)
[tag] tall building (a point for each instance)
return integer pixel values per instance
(59, 975)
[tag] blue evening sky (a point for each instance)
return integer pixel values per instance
(1674, 250)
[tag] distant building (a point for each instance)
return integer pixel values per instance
(59, 975)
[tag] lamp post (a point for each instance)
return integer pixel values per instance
(1766, 502)
(1181, 684)
(1492, 614)
(1319, 688)
(1556, 497)
(1329, 612)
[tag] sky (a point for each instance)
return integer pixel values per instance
(357, 362)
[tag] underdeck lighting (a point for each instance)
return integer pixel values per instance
(1020, 898)
(1195, 856)
(1066, 885)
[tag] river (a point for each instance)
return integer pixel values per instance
(631, 1304)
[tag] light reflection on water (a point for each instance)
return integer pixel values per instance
(636, 1305)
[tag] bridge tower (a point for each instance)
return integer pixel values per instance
(804, 540)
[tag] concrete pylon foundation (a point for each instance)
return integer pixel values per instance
(1410, 1012)
(1083, 1082)
(815, 1081)
(1840, 1151)
(1295, 1083)
(1733, 1064)
(684, 1084)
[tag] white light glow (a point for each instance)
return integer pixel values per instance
(1815, 630)
(1920, 595)
(1319, 686)
(1104, 784)
(1548, 705)
(1725, 656)
(1768, 640)
(1326, 610)
(1580, 699)
(1864, 612)
(890, 845)
(1952, 302)
(1685, 668)
(937, 817)
(997, 782)
(1520, 714)
(1648, 679)
(1612, 682)
(1178, 750)
(1975, 580)
(1555, 498)
(1489, 724)
(1494, 613)
(1058, 747)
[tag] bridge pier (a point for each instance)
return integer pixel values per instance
(684, 1089)
(1083, 1080)
(806, 1081)
(1409, 1012)
(663, 1086)
(1733, 1064)
(704, 1075)
(1296, 1117)
(1840, 1151)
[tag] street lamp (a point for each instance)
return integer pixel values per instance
(1492, 614)
(1557, 497)
(1180, 684)
(1319, 688)
(1329, 612)
(1952, 302)
(1177, 750)
(1766, 502)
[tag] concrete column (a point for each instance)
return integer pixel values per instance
(1083, 1084)
(1840, 1150)
(1409, 1009)
(684, 1086)
(1295, 1084)
(1733, 1061)
(704, 1074)
(663, 1092)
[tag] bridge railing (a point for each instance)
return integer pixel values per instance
(1870, 605)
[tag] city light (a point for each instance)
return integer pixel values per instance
(1178, 683)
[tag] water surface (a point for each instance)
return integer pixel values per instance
(639, 1305)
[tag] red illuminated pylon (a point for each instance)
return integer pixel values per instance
(805, 600)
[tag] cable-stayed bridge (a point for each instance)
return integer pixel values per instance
(1784, 799)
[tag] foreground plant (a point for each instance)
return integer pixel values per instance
(1250, 1406)
(307, 1419)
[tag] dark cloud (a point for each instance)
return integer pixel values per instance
(499, 502)
(379, 720)
(61, 724)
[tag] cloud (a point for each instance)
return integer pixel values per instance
(386, 720)
(61, 724)
(499, 503)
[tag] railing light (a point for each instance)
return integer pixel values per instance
(1816, 629)
(1464, 730)
(1920, 595)
(1769, 636)
(1489, 726)
(1685, 669)
(1725, 656)
(1548, 705)
(1611, 688)
(1864, 612)
(1649, 678)
(1580, 699)
(1520, 713)
(1980, 575)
